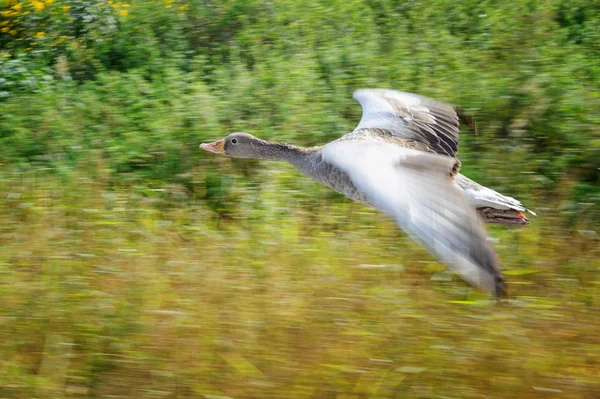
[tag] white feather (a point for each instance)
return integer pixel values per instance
(415, 189)
(480, 196)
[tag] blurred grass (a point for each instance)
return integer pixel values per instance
(135, 265)
(141, 292)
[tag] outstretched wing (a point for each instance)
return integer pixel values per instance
(415, 189)
(410, 116)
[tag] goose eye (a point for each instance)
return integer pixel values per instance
(233, 141)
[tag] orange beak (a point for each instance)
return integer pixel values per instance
(216, 147)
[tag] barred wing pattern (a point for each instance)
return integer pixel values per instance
(410, 116)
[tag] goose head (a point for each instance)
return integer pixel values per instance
(237, 145)
(244, 145)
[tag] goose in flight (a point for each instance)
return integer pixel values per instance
(401, 160)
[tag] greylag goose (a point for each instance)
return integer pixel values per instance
(401, 160)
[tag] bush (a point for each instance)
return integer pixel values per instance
(152, 79)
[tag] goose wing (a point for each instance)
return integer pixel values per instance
(410, 116)
(416, 190)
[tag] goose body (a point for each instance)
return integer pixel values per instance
(401, 159)
(492, 206)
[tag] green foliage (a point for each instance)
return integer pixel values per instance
(139, 290)
(20, 75)
(135, 265)
(286, 71)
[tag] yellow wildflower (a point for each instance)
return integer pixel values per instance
(17, 7)
(123, 13)
(12, 32)
(49, 2)
(5, 29)
(39, 34)
(66, 8)
(38, 5)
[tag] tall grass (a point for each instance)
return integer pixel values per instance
(132, 264)
(134, 291)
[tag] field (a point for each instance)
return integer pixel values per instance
(135, 265)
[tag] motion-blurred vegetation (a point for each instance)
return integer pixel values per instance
(134, 265)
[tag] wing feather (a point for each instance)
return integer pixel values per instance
(415, 189)
(410, 116)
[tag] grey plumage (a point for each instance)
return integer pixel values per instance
(411, 117)
(426, 204)
(401, 159)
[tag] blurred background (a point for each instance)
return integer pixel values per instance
(133, 264)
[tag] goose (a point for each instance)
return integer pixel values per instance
(401, 160)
